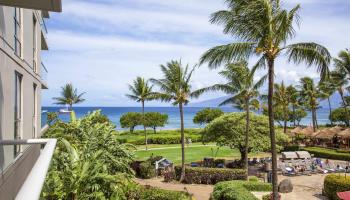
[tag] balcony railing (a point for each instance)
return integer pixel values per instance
(43, 74)
(32, 186)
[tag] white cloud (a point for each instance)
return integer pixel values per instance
(102, 46)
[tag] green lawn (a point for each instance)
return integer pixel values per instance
(193, 153)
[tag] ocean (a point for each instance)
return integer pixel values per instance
(114, 114)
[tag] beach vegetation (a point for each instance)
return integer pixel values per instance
(207, 115)
(175, 87)
(69, 96)
(263, 28)
(141, 91)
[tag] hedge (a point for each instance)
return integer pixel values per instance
(160, 194)
(328, 153)
(237, 190)
(334, 183)
(201, 175)
(139, 192)
(165, 140)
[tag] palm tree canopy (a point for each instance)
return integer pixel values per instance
(309, 92)
(141, 90)
(263, 28)
(175, 85)
(240, 83)
(69, 96)
(342, 63)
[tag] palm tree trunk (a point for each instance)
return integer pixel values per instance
(246, 137)
(183, 170)
(144, 127)
(313, 115)
(293, 107)
(330, 110)
(271, 74)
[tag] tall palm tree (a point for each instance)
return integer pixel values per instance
(282, 100)
(310, 94)
(327, 89)
(263, 28)
(69, 96)
(175, 87)
(294, 100)
(244, 92)
(141, 91)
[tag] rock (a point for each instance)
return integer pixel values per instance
(285, 186)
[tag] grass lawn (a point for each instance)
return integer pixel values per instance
(193, 153)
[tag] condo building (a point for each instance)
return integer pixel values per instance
(22, 79)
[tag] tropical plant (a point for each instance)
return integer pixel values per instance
(131, 120)
(263, 28)
(141, 91)
(342, 63)
(281, 100)
(310, 94)
(340, 115)
(207, 115)
(155, 119)
(243, 90)
(229, 130)
(51, 118)
(297, 115)
(69, 96)
(294, 98)
(327, 89)
(175, 87)
(88, 162)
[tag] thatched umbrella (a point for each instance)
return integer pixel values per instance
(307, 131)
(295, 131)
(326, 134)
(336, 129)
(345, 134)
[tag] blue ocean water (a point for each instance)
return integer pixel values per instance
(114, 114)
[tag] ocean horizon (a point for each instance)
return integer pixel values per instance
(114, 114)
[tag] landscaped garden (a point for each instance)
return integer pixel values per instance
(94, 161)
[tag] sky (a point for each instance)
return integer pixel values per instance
(101, 46)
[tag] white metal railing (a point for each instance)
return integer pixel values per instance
(32, 186)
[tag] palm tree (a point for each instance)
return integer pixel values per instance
(342, 63)
(69, 96)
(310, 95)
(263, 28)
(327, 89)
(175, 87)
(141, 91)
(294, 100)
(282, 100)
(244, 92)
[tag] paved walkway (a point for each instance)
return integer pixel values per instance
(305, 187)
(200, 192)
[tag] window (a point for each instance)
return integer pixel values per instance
(18, 111)
(34, 44)
(18, 33)
(34, 110)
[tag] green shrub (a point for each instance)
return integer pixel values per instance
(147, 170)
(328, 153)
(291, 148)
(166, 139)
(160, 194)
(334, 183)
(253, 179)
(201, 175)
(237, 190)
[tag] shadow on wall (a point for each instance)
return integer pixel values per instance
(2, 156)
(2, 21)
